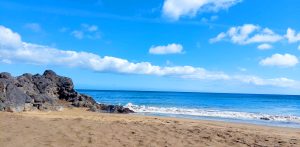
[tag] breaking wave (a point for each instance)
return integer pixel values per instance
(212, 113)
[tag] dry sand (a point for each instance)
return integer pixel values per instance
(77, 127)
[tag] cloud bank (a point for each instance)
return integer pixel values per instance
(174, 9)
(14, 50)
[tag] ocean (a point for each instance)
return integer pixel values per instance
(271, 110)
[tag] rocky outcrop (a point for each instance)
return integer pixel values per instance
(46, 92)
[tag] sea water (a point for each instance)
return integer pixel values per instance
(273, 110)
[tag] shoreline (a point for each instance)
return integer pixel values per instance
(216, 120)
(79, 127)
(142, 116)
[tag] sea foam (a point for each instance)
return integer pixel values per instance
(212, 113)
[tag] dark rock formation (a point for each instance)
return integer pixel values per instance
(264, 118)
(46, 92)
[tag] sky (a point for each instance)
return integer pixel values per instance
(231, 46)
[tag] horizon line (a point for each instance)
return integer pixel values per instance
(200, 92)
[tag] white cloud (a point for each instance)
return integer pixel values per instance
(90, 28)
(242, 69)
(264, 46)
(266, 35)
(33, 27)
(6, 61)
(285, 60)
(77, 34)
(278, 82)
(85, 31)
(292, 36)
(14, 50)
(9, 39)
(247, 34)
(168, 49)
(174, 9)
(220, 37)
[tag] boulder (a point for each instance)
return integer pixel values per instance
(5, 75)
(112, 109)
(15, 98)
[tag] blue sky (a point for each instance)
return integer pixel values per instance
(241, 46)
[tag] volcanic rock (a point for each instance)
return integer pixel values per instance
(46, 92)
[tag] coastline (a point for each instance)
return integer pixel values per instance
(273, 110)
(78, 127)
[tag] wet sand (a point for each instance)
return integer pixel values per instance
(77, 127)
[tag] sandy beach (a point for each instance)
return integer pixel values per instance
(77, 127)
